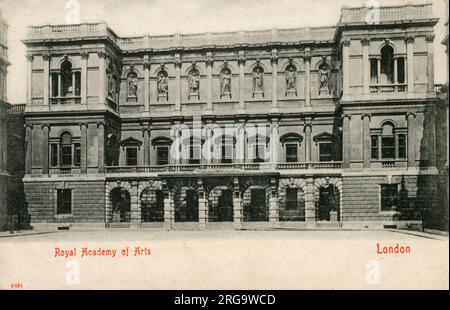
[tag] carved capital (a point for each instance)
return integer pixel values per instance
(274, 60)
(241, 60)
(85, 125)
(346, 43)
(28, 126)
(364, 115)
(102, 55)
(348, 116)
(84, 55)
(410, 115)
(46, 57)
(429, 38)
(29, 57)
(146, 65)
(307, 58)
(100, 124)
(365, 41)
(43, 126)
(209, 61)
(409, 39)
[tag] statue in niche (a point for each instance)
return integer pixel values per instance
(225, 82)
(162, 83)
(291, 79)
(194, 83)
(324, 73)
(258, 80)
(132, 85)
(111, 85)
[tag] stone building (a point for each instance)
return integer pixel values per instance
(327, 126)
(4, 176)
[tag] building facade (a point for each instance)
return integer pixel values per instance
(4, 176)
(328, 126)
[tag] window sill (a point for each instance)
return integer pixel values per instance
(64, 216)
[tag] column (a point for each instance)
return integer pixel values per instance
(146, 134)
(59, 85)
(135, 205)
(378, 70)
(46, 78)
(274, 216)
(395, 70)
(431, 115)
(238, 217)
(307, 130)
(84, 85)
(310, 208)
(146, 83)
(29, 147)
(45, 147)
(102, 78)
(345, 67)
(307, 60)
(365, 42)
(410, 60)
(169, 211)
(101, 147)
(346, 144)
(274, 61)
(177, 82)
(411, 146)
(430, 62)
(241, 62)
(83, 142)
(274, 142)
(202, 207)
(240, 152)
(29, 78)
(366, 140)
(209, 64)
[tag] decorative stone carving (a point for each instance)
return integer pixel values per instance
(291, 80)
(194, 84)
(324, 79)
(162, 85)
(258, 81)
(132, 84)
(409, 40)
(225, 82)
(365, 41)
(429, 38)
(111, 85)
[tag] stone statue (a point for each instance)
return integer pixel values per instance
(162, 83)
(225, 82)
(194, 81)
(258, 82)
(291, 78)
(111, 85)
(324, 71)
(132, 86)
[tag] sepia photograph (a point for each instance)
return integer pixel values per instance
(224, 145)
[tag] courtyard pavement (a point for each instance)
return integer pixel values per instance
(278, 259)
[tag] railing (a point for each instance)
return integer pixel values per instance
(222, 167)
(16, 108)
(387, 13)
(65, 100)
(60, 170)
(388, 88)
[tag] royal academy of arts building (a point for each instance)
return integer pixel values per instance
(311, 127)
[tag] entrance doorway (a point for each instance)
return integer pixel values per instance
(191, 206)
(328, 203)
(257, 210)
(152, 202)
(121, 205)
(221, 206)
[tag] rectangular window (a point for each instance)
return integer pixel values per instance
(291, 153)
(389, 197)
(77, 154)
(401, 70)
(131, 156)
(77, 83)
(55, 88)
(373, 71)
(388, 147)
(258, 153)
(66, 155)
(374, 147)
(291, 198)
(54, 155)
(162, 155)
(64, 201)
(325, 151)
(402, 146)
(227, 152)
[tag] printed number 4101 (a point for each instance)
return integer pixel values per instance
(17, 285)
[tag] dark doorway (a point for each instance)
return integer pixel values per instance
(328, 202)
(191, 206)
(121, 205)
(257, 210)
(152, 202)
(222, 209)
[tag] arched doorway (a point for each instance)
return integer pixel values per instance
(221, 204)
(121, 205)
(152, 205)
(186, 208)
(328, 204)
(256, 204)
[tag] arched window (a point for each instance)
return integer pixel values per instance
(65, 151)
(388, 69)
(388, 142)
(66, 82)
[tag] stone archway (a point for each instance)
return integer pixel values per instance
(256, 203)
(292, 203)
(120, 205)
(328, 199)
(109, 202)
(220, 204)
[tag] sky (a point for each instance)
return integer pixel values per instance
(140, 17)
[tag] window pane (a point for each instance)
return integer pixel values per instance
(374, 147)
(291, 153)
(388, 147)
(291, 198)
(64, 201)
(402, 146)
(66, 155)
(131, 154)
(389, 197)
(258, 153)
(325, 151)
(162, 156)
(54, 155)
(77, 154)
